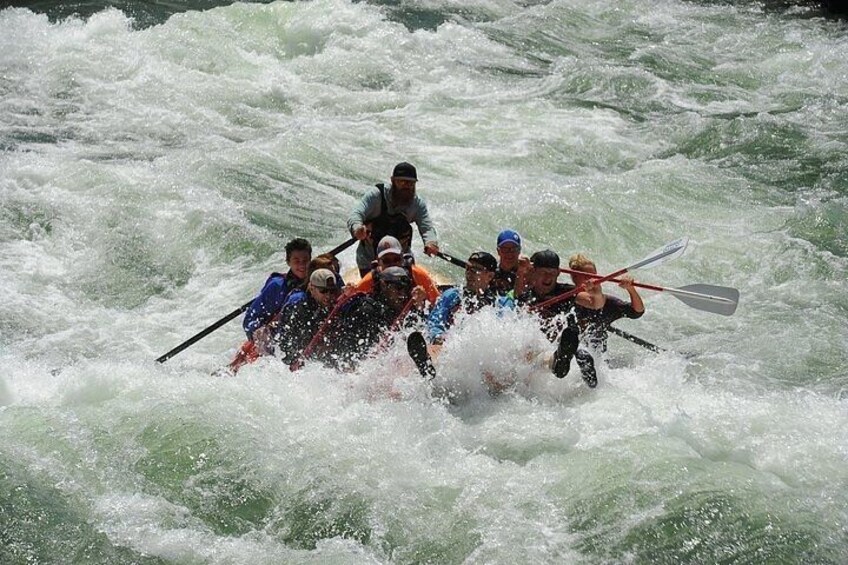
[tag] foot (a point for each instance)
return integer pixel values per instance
(587, 368)
(417, 348)
(565, 351)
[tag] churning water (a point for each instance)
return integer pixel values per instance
(152, 171)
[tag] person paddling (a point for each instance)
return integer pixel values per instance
(559, 320)
(390, 254)
(596, 323)
(260, 319)
(274, 293)
(305, 311)
(391, 211)
(477, 293)
(366, 318)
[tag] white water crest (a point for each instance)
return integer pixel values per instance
(149, 179)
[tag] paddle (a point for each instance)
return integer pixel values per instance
(451, 259)
(637, 340)
(659, 256)
(297, 364)
(707, 297)
(395, 325)
(647, 344)
(200, 335)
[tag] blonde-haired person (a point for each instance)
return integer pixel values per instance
(595, 323)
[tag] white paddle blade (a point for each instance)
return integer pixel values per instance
(665, 253)
(721, 300)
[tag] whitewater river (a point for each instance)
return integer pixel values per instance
(153, 168)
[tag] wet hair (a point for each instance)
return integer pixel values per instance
(297, 244)
(579, 262)
(324, 261)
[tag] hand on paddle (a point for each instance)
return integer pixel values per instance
(361, 233)
(591, 296)
(627, 283)
(263, 339)
(348, 291)
(418, 296)
(431, 248)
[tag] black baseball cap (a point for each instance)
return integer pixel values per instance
(485, 260)
(405, 171)
(546, 259)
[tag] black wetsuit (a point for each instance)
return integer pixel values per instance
(300, 320)
(359, 327)
(552, 327)
(595, 323)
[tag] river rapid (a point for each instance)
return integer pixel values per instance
(154, 165)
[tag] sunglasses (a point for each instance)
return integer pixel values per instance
(332, 290)
(477, 270)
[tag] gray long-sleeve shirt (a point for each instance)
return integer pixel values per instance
(368, 209)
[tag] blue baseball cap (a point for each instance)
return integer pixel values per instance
(509, 236)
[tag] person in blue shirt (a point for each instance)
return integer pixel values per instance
(260, 318)
(391, 211)
(477, 293)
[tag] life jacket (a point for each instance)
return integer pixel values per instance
(248, 352)
(504, 281)
(385, 224)
(472, 301)
(376, 276)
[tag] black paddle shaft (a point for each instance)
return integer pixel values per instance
(197, 337)
(637, 340)
(451, 259)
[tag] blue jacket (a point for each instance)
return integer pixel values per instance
(270, 301)
(442, 315)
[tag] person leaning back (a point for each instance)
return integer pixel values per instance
(391, 211)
